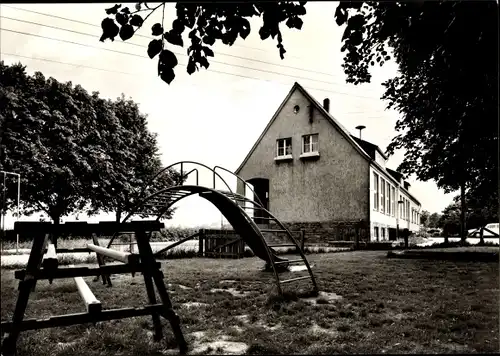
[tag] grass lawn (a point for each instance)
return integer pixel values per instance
(387, 306)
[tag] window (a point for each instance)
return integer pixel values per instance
(375, 191)
(388, 199)
(284, 147)
(310, 143)
(375, 233)
(401, 208)
(393, 197)
(407, 210)
(382, 235)
(382, 198)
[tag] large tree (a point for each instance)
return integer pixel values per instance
(445, 90)
(71, 149)
(131, 160)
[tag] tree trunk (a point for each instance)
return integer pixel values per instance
(118, 215)
(56, 218)
(463, 231)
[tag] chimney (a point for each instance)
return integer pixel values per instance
(326, 104)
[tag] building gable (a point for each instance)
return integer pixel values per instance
(316, 105)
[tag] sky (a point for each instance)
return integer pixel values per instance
(213, 116)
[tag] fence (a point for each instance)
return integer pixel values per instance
(221, 243)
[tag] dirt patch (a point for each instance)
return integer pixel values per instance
(228, 281)
(261, 324)
(223, 346)
(315, 329)
(243, 318)
(238, 329)
(232, 291)
(220, 348)
(194, 305)
(298, 268)
(323, 298)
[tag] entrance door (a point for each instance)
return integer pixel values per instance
(261, 189)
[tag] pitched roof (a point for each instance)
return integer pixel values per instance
(395, 174)
(318, 107)
(363, 147)
(369, 147)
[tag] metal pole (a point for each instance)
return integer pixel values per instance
(18, 214)
(3, 206)
(4, 210)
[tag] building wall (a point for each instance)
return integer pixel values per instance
(379, 159)
(332, 188)
(383, 220)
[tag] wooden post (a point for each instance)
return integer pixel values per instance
(303, 239)
(201, 239)
(106, 279)
(149, 261)
(25, 287)
(481, 236)
(356, 236)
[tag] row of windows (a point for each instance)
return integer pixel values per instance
(407, 212)
(384, 196)
(384, 200)
(309, 145)
(382, 236)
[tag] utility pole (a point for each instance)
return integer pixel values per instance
(4, 203)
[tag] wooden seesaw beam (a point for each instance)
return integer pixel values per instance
(124, 257)
(91, 303)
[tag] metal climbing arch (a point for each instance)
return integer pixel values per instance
(235, 208)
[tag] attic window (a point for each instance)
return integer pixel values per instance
(296, 109)
(283, 149)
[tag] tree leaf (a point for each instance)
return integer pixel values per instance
(356, 22)
(113, 10)
(209, 40)
(125, 10)
(122, 19)
(340, 15)
(208, 52)
(136, 21)
(168, 59)
(174, 38)
(178, 26)
(157, 29)
(264, 33)
(167, 75)
(245, 28)
(138, 6)
(347, 32)
(294, 22)
(154, 48)
(204, 62)
(282, 51)
(191, 66)
(109, 29)
(126, 32)
(356, 38)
